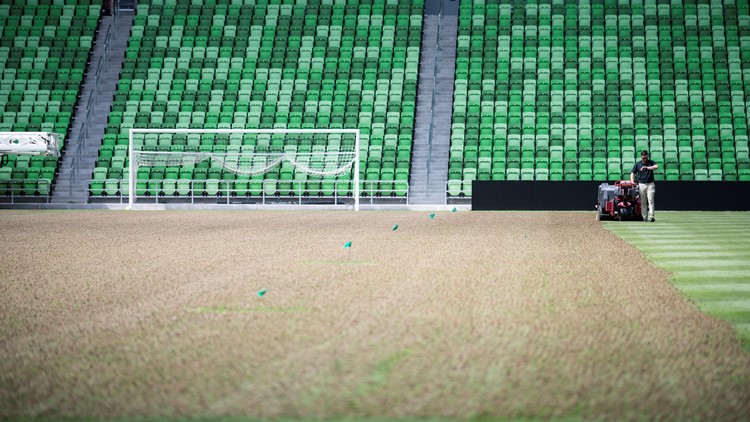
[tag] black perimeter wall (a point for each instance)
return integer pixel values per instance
(574, 196)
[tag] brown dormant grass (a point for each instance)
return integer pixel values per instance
(157, 314)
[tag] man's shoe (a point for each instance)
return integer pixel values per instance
(645, 220)
(653, 219)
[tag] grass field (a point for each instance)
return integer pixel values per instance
(463, 316)
(709, 256)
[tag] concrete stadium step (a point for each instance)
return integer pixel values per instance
(434, 103)
(78, 161)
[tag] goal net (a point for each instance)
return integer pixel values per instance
(273, 153)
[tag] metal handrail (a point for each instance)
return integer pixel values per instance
(371, 189)
(16, 186)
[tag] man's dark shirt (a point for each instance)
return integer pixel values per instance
(645, 176)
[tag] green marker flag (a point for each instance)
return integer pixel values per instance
(432, 215)
(454, 209)
(394, 228)
(262, 292)
(348, 245)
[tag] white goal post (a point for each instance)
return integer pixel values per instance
(315, 163)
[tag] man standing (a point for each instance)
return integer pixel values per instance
(643, 175)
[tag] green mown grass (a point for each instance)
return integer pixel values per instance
(708, 254)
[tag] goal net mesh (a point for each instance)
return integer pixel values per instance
(314, 154)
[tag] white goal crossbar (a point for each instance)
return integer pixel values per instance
(272, 159)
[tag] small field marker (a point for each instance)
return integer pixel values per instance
(432, 216)
(262, 292)
(348, 245)
(394, 228)
(454, 209)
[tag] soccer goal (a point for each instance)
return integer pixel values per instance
(286, 156)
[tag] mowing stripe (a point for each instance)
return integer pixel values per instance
(704, 255)
(709, 256)
(736, 289)
(677, 247)
(703, 262)
(716, 287)
(666, 242)
(730, 305)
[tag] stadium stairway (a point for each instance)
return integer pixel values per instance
(79, 160)
(429, 172)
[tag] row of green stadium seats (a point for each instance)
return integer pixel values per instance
(502, 140)
(685, 171)
(649, 7)
(278, 111)
(249, 71)
(52, 38)
(218, 173)
(28, 161)
(574, 143)
(372, 169)
(458, 186)
(250, 188)
(40, 105)
(17, 9)
(26, 180)
(46, 25)
(205, 34)
(650, 89)
(188, 57)
(216, 100)
(584, 15)
(30, 172)
(244, 101)
(75, 49)
(25, 187)
(372, 137)
(405, 37)
(275, 3)
(229, 109)
(406, 34)
(579, 126)
(294, 90)
(53, 115)
(586, 81)
(158, 120)
(557, 68)
(243, 89)
(67, 79)
(545, 159)
(35, 127)
(259, 9)
(229, 79)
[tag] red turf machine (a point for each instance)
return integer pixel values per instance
(621, 201)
